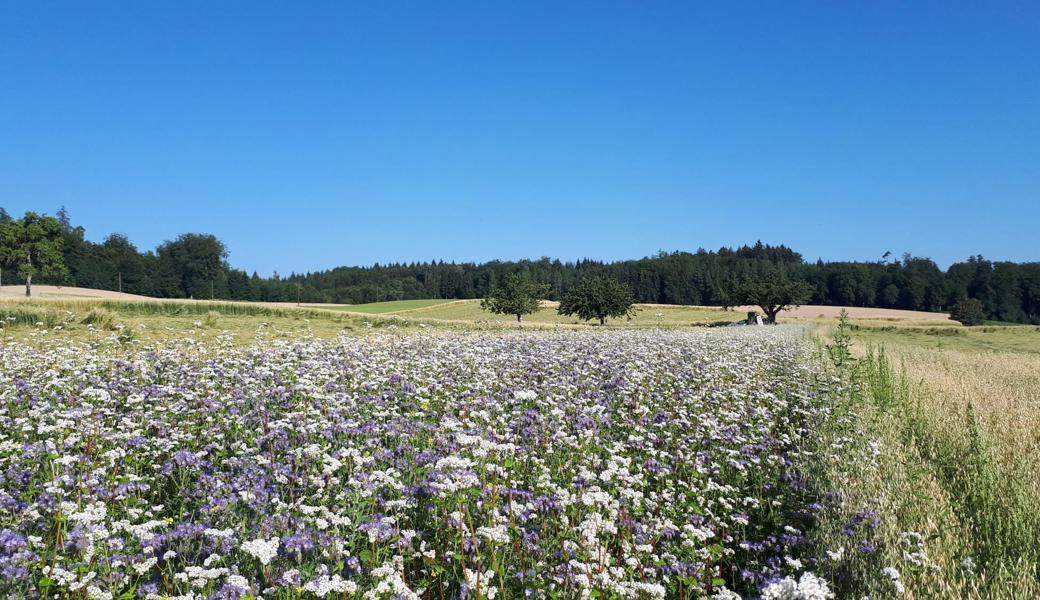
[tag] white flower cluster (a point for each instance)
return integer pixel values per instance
(261, 549)
(325, 585)
(896, 578)
(913, 549)
(390, 582)
(806, 587)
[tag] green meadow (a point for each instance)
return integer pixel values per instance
(392, 306)
(469, 311)
(988, 338)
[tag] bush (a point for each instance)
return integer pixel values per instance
(968, 312)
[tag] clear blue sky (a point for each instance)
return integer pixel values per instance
(308, 135)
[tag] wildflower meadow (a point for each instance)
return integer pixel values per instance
(439, 465)
(627, 464)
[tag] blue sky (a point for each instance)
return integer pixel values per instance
(308, 135)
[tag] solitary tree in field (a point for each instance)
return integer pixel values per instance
(34, 245)
(518, 296)
(968, 312)
(772, 294)
(598, 298)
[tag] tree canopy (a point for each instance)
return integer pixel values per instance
(772, 293)
(518, 296)
(598, 298)
(33, 244)
(194, 264)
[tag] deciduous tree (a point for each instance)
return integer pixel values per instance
(33, 244)
(772, 293)
(518, 296)
(598, 298)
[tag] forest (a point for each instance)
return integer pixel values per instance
(197, 266)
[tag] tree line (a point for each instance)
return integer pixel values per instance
(196, 265)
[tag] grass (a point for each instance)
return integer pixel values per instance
(1000, 338)
(392, 306)
(159, 321)
(150, 321)
(469, 311)
(647, 315)
(947, 458)
(241, 322)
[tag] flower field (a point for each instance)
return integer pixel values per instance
(627, 464)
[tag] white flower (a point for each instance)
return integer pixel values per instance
(96, 593)
(496, 534)
(897, 581)
(145, 566)
(261, 549)
(325, 584)
(808, 587)
(391, 581)
(239, 582)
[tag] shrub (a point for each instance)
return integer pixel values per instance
(968, 312)
(840, 350)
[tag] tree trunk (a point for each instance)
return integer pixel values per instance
(519, 319)
(28, 286)
(771, 315)
(602, 321)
